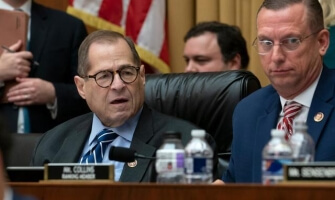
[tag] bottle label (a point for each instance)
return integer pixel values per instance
(198, 165)
(170, 160)
(273, 169)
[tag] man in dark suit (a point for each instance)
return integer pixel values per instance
(291, 41)
(111, 80)
(47, 90)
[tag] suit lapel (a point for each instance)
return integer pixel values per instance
(143, 133)
(39, 30)
(136, 174)
(73, 144)
(265, 123)
(323, 93)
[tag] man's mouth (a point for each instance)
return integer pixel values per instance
(118, 101)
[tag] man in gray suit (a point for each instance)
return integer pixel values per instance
(111, 80)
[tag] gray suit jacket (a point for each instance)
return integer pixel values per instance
(64, 143)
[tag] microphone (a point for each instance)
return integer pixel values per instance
(224, 154)
(123, 154)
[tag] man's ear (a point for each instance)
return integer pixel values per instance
(142, 73)
(235, 63)
(80, 83)
(323, 39)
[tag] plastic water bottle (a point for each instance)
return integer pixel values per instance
(302, 143)
(170, 159)
(276, 153)
(199, 159)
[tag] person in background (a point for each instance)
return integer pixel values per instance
(6, 193)
(215, 46)
(111, 79)
(291, 42)
(45, 94)
(328, 7)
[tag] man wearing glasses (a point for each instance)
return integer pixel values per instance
(291, 42)
(111, 79)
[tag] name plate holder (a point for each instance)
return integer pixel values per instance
(78, 172)
(310, 172)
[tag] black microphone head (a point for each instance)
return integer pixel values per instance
(46, 162)
(122, 154)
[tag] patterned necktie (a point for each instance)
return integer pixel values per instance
(96, 153)
(291, 109)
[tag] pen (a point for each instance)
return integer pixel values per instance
(35, 63)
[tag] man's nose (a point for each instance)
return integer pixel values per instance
(117, 82)
(191, 67)
(278, 54)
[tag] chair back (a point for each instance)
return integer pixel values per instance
(22, 149)
(205, 99)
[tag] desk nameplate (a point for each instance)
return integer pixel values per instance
(315, 171)
(66, 171)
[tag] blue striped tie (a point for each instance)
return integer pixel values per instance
(96, 153)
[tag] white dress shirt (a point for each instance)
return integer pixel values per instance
(305, 99)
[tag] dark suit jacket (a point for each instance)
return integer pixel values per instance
(257, 114)
(64, 143)
(55, 39)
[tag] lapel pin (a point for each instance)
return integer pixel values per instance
(132, 164)
(318, 117)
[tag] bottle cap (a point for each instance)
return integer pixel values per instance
(277, 133)
(172, 134)
(198, 133)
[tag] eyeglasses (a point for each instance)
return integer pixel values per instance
(290, 44)
(104, 79)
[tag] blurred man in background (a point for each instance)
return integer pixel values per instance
(214, 46)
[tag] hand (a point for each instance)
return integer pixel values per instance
(31, 91)
(15, 64)
(218, 182)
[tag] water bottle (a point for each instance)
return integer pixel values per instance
(276, 153)
(302, 143)
(170, 159)
(199, 159)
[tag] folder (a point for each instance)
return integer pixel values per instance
(13, 27)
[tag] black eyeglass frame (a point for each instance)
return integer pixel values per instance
(113, 74)
(301, 39)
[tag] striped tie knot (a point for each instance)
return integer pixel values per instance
(106, 135)
(291, 109)
(101, 141)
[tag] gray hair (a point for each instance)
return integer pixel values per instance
(102, 36)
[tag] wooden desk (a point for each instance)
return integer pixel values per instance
(121, 191)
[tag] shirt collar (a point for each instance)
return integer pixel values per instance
(126, 130)
(26, 7)
(306, 97)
